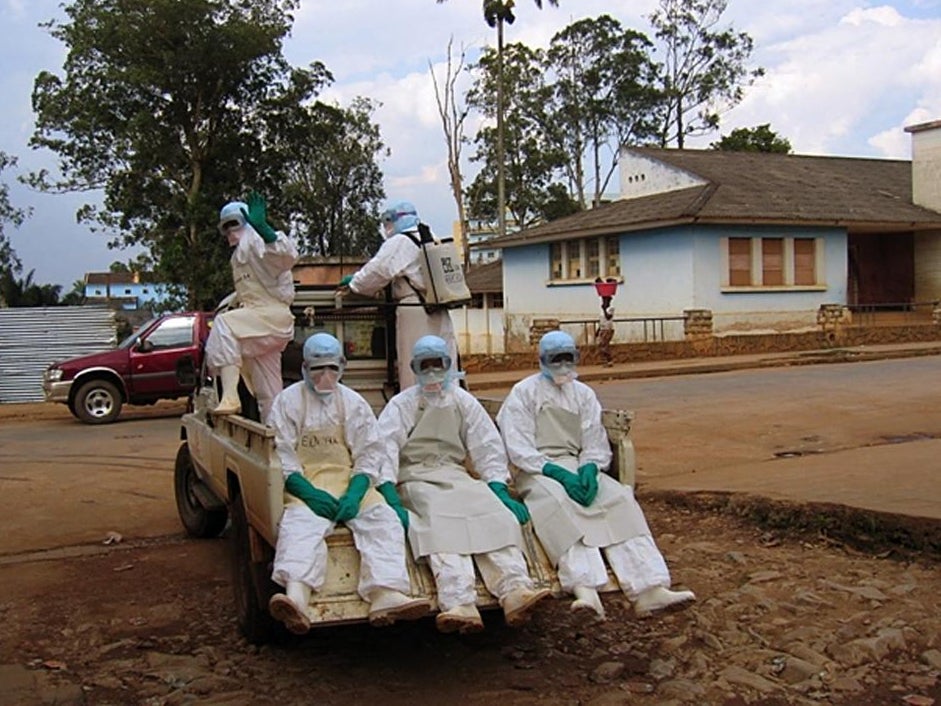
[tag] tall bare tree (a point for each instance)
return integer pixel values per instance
(452, 122)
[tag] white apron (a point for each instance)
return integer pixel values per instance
(559, 522)
(260, 313)
(327, 462)
(453, 512)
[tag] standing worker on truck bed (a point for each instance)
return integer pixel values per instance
(328, 443)
(551, 425)
(429, 431)
(397, 262)
(248, 340)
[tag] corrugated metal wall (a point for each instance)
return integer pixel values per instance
(32, 338)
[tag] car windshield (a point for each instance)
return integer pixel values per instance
(130, 340)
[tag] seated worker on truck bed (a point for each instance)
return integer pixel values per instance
(429, 429)
(327, 440)
(551, 425)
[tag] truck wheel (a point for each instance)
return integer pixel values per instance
(197, 520)
(98, 402)
(251, 580)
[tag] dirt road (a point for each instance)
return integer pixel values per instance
(781, 618)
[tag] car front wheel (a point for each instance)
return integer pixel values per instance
(97, 402)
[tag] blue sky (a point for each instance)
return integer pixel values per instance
(843, 77)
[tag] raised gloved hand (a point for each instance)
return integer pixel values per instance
(345, 282)
(348, 505)
(320, 501)
(515, 506)
(257, 217)
(388, 491)
(588, 476)
(569, 481)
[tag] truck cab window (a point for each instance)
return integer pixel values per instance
(176, 332)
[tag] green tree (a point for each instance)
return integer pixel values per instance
(332, 184)
(9, 215)
(24, 292)
(498, 13)
(171, 108)
(753, 139)
(530, 160)
(704, 68)
(76, 295)
(604, 97)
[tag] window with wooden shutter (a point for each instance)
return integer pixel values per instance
(805, 261)
(740, 262)
(772, 262)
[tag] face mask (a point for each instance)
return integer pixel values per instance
(561, 373)
(432, 380)
(323, 381)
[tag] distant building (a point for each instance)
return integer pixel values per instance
(125, 290)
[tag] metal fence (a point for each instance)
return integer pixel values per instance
(32, 338)
(892, 314)
(649, 329)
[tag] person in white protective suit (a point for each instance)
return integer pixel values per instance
(551, 425)
(327, 440)
(429, 430)
(397, 261)
(248, 340)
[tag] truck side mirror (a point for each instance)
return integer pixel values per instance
(144, 346)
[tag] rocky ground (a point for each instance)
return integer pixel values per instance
(781, 619)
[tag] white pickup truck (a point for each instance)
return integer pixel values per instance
(227, 471)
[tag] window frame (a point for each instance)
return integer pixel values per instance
(759, 260)
(608, 255)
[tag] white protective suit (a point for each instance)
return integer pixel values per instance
(333, 438)
(397, 262)
(540, 422)
(454, 518)
(252, 336)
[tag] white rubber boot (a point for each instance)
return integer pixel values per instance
(463, 619)
(587, 603)
(229, 404)
(386, 606)
(658, 598)
(519, 602)
(291, 607)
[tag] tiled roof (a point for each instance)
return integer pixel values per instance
(485, 278)
(120, 278)
(756, 187)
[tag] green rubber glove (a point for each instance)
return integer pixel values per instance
(515, 506)
(348, 505)
(257, 217)
(568, 480)
(345, 282)
(320, 501)
(388, 491)
(588, 476)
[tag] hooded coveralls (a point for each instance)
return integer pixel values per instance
(253, 336)
(542, 422)
(397, 262)
(454, 518)
(331, 439)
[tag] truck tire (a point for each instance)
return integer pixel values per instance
(198, 521)
(251, 580)
(97, 402)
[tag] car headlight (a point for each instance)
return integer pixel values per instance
(53, 374)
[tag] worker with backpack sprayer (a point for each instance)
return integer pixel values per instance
(426, 277)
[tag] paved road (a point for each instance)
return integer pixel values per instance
(865, 434)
